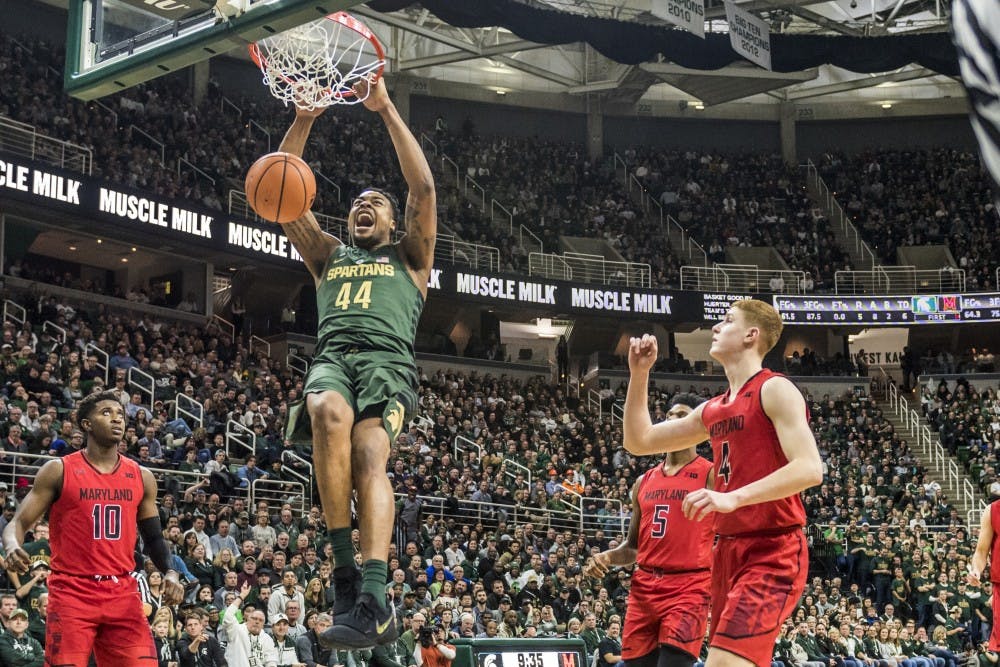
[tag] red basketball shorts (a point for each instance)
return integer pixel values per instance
(666, 609)
(104, 617)
(756, 582)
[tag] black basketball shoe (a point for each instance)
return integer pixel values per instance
(368, 624)
(346, 588)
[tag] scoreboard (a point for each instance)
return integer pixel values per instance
(889, 310)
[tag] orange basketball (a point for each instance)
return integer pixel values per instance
(280, 187)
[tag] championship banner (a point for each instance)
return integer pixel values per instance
(749, 35)
(688, 14)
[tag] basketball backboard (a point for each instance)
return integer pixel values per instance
(114, 44)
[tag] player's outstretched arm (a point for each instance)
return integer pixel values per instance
(640, 436)
(306, 235)
(420, 217)
(43, 493)
(980, 558)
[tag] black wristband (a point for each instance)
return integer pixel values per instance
(153, 543)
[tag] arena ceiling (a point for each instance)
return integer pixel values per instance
(491, 62)
(496, 59)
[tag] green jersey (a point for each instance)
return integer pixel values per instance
(368, 299)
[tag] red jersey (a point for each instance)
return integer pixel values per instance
(994, 546)
(668, 540)
(745, 449)
(92, 523)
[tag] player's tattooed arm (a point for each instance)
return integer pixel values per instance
(421, 230)
(311, 242)
(298, 134)
(420, 215)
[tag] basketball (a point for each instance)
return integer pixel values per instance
(280, 187)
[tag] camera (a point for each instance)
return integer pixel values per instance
(427, 635)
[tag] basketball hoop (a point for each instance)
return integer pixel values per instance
(317, 64)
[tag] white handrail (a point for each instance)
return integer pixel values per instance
(458, 172)
(24, 140)
(518, 468)
(225, 325)
(297, 364)
(14, 312)
(153, 140)
(183, 161)
(185, 406)
(260, 342)
(238, 434)
(107, 109)
(143, 382)
(462, 444)
(549, 266)
(48, 325)
(594, 402)
(278, 493)
(509, 217)
(232, 105)
(288, 455)
(471, 182)
(103, 359)
(251, 124)
(524, 231)
(329, 183)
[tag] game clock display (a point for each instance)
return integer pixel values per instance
(895, 309)
(529, 659)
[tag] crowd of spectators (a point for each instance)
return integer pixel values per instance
(967, 421)
(550, 187)
(920, 197)
(743, 199)
(479, 550)
(515, 570)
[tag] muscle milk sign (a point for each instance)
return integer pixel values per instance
(31, 180)
(688, 14)
(749, 35)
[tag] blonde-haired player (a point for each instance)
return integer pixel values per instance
(764, 455)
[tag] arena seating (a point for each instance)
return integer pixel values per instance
(479, 436)
(939, 196)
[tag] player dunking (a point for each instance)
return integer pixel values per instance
(97, 501)
(764, 455)
(363, 382)
(988, 553)
(668, 602)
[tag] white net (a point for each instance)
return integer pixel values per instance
(317, 64)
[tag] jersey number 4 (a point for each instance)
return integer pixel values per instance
(107, 522)
(725, 469)
(660, 513)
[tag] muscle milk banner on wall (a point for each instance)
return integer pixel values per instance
(688, 14)
(749, 35)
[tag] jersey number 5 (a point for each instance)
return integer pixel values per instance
(660, 513)
(725, 469)
(107, 522)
